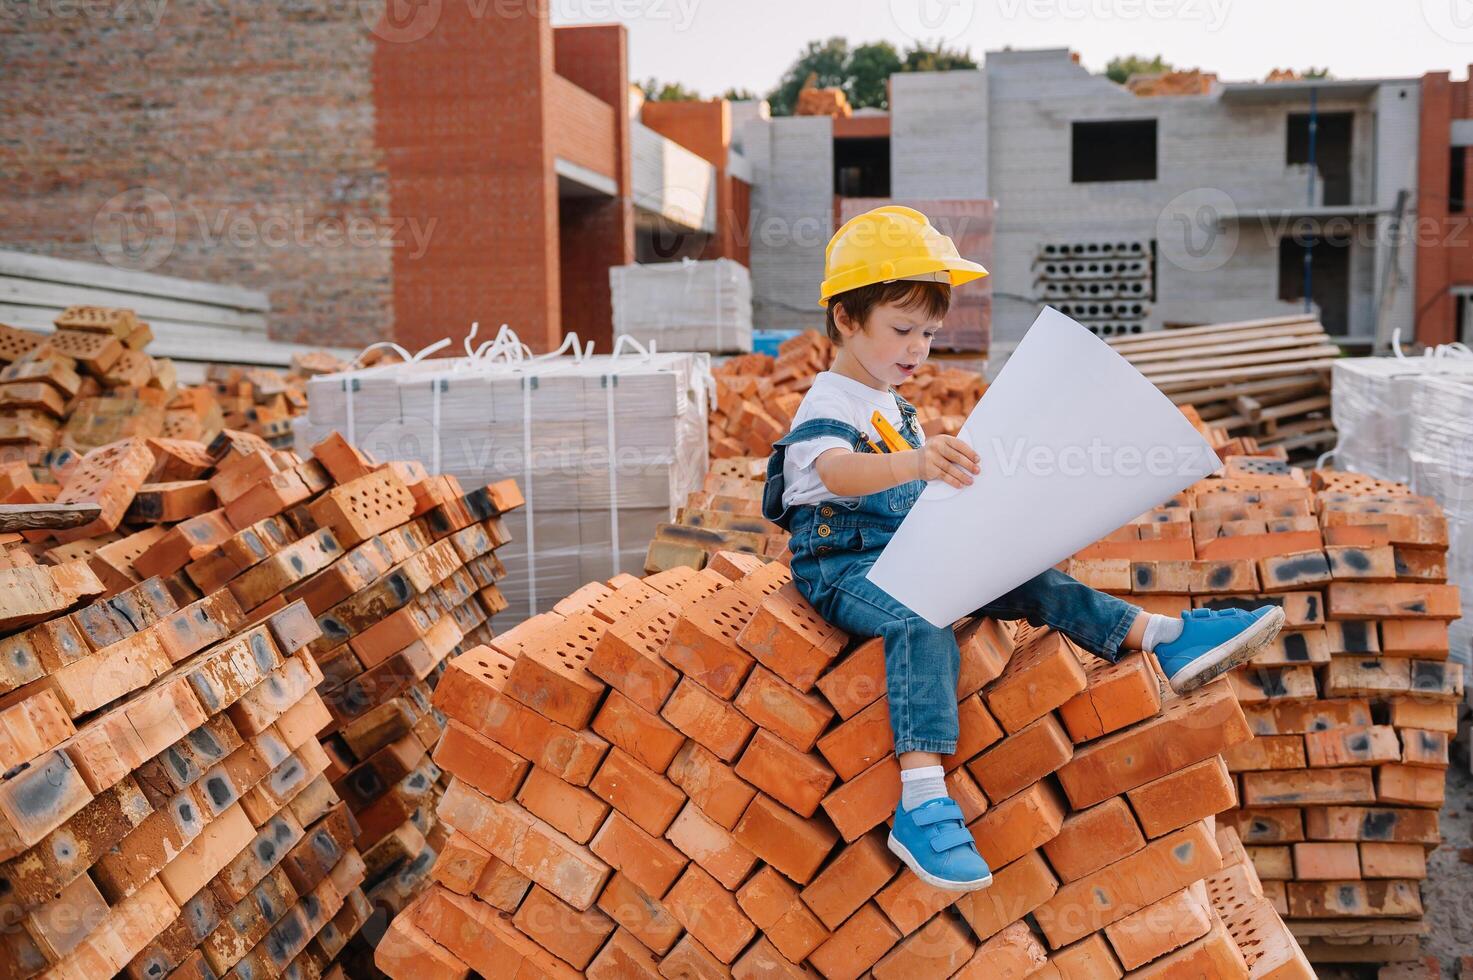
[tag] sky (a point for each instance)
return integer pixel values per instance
(710, 45)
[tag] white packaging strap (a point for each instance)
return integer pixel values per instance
(350, 381)
(528, 384)
(610, 382)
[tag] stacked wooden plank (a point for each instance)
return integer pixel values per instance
(690, 774)
(724, 515)
(1353, 704)
(758, 394)
(91, 382)
(168, 805)
(1269, 379)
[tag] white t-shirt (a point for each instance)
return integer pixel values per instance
(833, 396)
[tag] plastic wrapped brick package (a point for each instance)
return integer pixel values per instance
(603, 447)
(1440, 453)
(686, 305)
(1371, 406)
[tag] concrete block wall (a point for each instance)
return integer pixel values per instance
(792, 217)
(1398, 120)
(939, 135)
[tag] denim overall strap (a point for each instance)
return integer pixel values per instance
(772, 491)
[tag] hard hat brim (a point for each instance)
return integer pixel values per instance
(959, 272)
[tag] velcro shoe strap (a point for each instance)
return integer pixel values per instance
(1201, 612)
(925, 817)
(947, 839)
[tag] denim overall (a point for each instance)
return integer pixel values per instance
(835, 543)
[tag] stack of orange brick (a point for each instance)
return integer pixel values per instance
(1353, 704)
(690, 774)
(168, 804)
(724, 515)
(756, 395)
(91, 383)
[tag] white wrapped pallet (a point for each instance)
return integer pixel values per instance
(1440, 455)
(685, 305)
(604, 448)
(1371, 406)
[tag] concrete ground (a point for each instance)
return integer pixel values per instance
(1447, 895)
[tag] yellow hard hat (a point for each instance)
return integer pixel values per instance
(887, 243)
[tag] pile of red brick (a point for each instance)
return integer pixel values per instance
(756, 395)
(691, 773)
(168, 806)
(724, 515)
(91, 383)
(1353, 704)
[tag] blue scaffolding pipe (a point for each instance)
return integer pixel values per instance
(1314, 121)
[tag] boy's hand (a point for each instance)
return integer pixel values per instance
(948, 458)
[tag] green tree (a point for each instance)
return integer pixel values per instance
(1317, 73)
(1120, 69)
(861, 72)
(735, 94)
(657, 91)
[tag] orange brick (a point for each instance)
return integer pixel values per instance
(623, 958)
(1352, 746)
(789, 638)
(700, 715)
(976, 732)
(1185, 796)
(1393, 860)
(1266, 752)
(1164, 925)
(651, 864)
(791, 844)
(1188, 730)
(645, 797)
(646, 737)
(908, 902)
(480, 937)
(571, 809)
(1410, 785)
(711, 846)
(710, 913)
(1119, 694)
(1301, 787)
(865, 801)
(854, 876)
(986, 646)
(405, 951)
(1326, 861)
(763, 961)
(965, 793)
(771, 902)
(487, 766)
(860, 741)
(460, 864)
(1020, 824)
(1022, 759)
(857, 681)
(644, 917)
(1089, 959)
(1214, 955)
(702, 644)
(571, 935)
(795, 779)
(855, 946)
(771, 703)
(1163, 866)
(627, 656)
(536, 849)
(1013, 952)
(690, 959)
(1090, 839)
(1016, 890)
(1043, 674)
(713, 786)
(937, 949)
(501, 886)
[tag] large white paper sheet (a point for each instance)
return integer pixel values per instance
(1073, 442)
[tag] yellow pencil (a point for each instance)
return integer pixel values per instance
(887, 432)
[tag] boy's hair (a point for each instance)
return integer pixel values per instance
(931, 298)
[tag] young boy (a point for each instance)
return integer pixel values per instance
(887, 285)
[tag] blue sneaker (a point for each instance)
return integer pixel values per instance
(934, 842)
(1214, 641)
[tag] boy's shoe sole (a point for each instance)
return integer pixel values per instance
(1225, 656)
(900, 851)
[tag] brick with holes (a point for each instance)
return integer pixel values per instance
(788, 637)
(702, 645)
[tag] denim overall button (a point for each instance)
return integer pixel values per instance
(826, 511)
(823, 530)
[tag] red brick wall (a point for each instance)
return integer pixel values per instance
(1444, 241)
(230, 141)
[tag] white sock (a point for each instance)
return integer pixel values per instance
(1160, 629)
(921, 784)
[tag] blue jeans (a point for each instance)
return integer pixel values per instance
(834, 544)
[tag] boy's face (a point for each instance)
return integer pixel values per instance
(892, 344)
